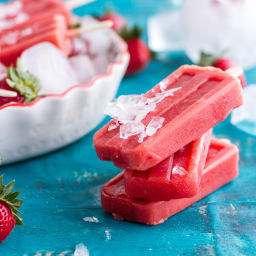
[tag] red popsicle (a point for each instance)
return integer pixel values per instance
(221, 167)
(188, 103)
(14, 42)
(178, 176)
(18, 12)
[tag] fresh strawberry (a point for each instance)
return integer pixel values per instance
(25, 84)
(8, 209)
(140, 54)
(221, 63)
(225, 64)
(117, 19)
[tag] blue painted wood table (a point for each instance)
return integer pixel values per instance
(62, 188)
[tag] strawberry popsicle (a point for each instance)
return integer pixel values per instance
(221, 167)
(178, 176)
(20, 11)
(14, 42)
(147, 129)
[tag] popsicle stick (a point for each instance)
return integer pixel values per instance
(80, 31)
(235, 71)
(7, 93)
(72, 4)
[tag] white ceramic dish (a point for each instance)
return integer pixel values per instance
(49, 123)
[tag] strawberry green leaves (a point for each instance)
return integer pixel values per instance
(24, 82)
(10, 198)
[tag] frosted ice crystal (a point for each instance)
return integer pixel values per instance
(131, 129)
(163, 85)
(91, 219)
(113, 126)
(81, 250)
(155, 124)
(179, 170)
(130, 110)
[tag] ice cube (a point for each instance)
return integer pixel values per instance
(100, 40)
(220, 27)
(155, 124)
(83, 67)
(101, 64)
(50, 66)
(179, 170)
(247, 111)
(165, 31)
(81, 250)
(80, 45)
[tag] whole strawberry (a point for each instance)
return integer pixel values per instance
(221, 63)
(117, 19)
(8, 209)
(25, 84)
(140, 54)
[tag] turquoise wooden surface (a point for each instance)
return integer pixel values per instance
(62, 188)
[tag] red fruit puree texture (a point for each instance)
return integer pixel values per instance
(52, 29)
(177, 176)
(221, 167)
(203, 97)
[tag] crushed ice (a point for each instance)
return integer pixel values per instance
(179, 170)
(91, 219)
(81, 250)
(129, 111)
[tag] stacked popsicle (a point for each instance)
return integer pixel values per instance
(43, 20)
(163, 141)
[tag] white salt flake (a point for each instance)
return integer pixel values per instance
(26, 32)
(163, 84)
(91, 219)
(179, 170)
(108, 235)
(155, 124)
(131, 129)
(81, 250)
(113, 126)
(130, 110)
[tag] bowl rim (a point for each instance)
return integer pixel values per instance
(119, 60)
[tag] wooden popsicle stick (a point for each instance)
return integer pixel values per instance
(90, 28)
(72, 4)
(7, 93)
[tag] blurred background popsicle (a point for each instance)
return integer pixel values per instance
(52, 29)
(20, 11)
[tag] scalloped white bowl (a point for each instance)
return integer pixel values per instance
(54, 121)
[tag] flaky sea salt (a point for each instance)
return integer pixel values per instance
(81, 250)
(113, 126)
(130, 110)
(179, 170)
(163, 84)
(12, 37)
(91, 219)
(108, 235)
(155, 124)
